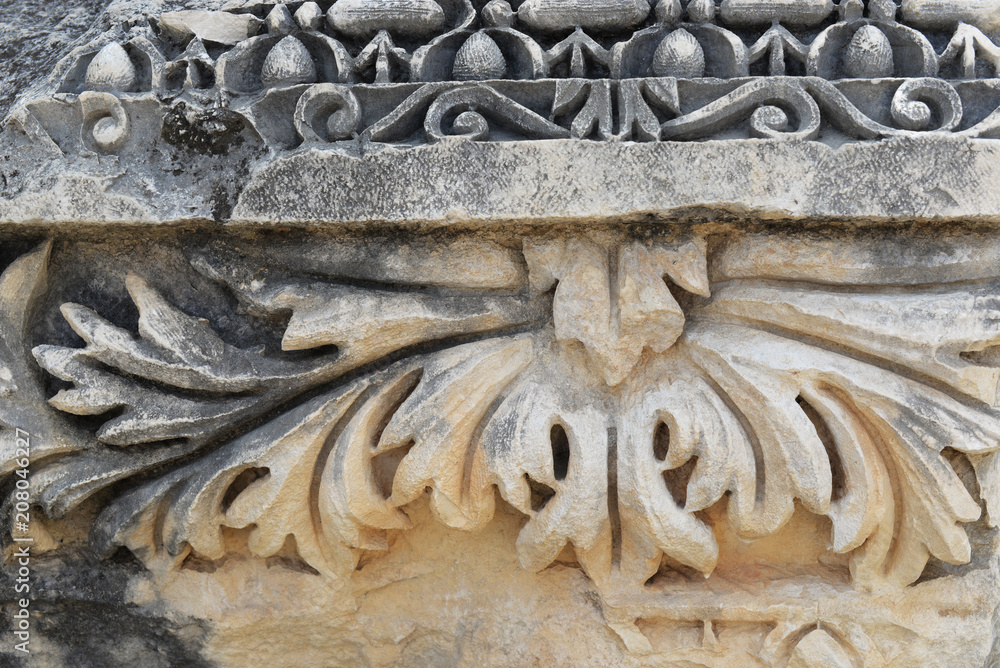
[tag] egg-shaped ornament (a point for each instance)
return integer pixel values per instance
(479, 59)
(868, 55)
(679, 55)
(111, 70)
(287, 64)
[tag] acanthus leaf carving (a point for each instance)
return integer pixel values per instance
(909, 424)
(164, 520)
(439, 422)
(22, 392)
(614, 301)
(567, 502)
(175, 351)
(651, 396)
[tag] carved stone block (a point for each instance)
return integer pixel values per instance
(454, 333)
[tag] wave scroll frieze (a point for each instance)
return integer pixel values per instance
(353, 75)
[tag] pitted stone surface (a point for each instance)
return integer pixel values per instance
(454, 333)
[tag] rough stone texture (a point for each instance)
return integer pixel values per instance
(463, 378)
(446, 333)
(905, 179)
(36, 35)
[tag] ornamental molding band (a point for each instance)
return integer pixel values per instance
(363, 74)
(463, 333)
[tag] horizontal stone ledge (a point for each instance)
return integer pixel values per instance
(460, 182)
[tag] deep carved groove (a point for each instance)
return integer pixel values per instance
(384, 466)
(199, 564)
(677, 480)
(240, 483)
(758, 450)
(540, 493)
(560, 451)
(684, 299)
(661, 441)
(289, 558)
(988, 356)
(839, 488)
(614, 514)
(331, 440)
(404, 389)
(614, 289)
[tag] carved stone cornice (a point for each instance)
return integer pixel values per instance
(648, 284)
(176, 121)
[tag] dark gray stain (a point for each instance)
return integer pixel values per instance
(212, 131)
(81, 618)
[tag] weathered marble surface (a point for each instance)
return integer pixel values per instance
(451, 333)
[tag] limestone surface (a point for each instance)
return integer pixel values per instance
(542, 333)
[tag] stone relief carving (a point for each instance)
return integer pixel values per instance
(611, 386)
(637, 395)
(360, 74)
(655, 400)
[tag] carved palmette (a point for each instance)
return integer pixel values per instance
(610, 388)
